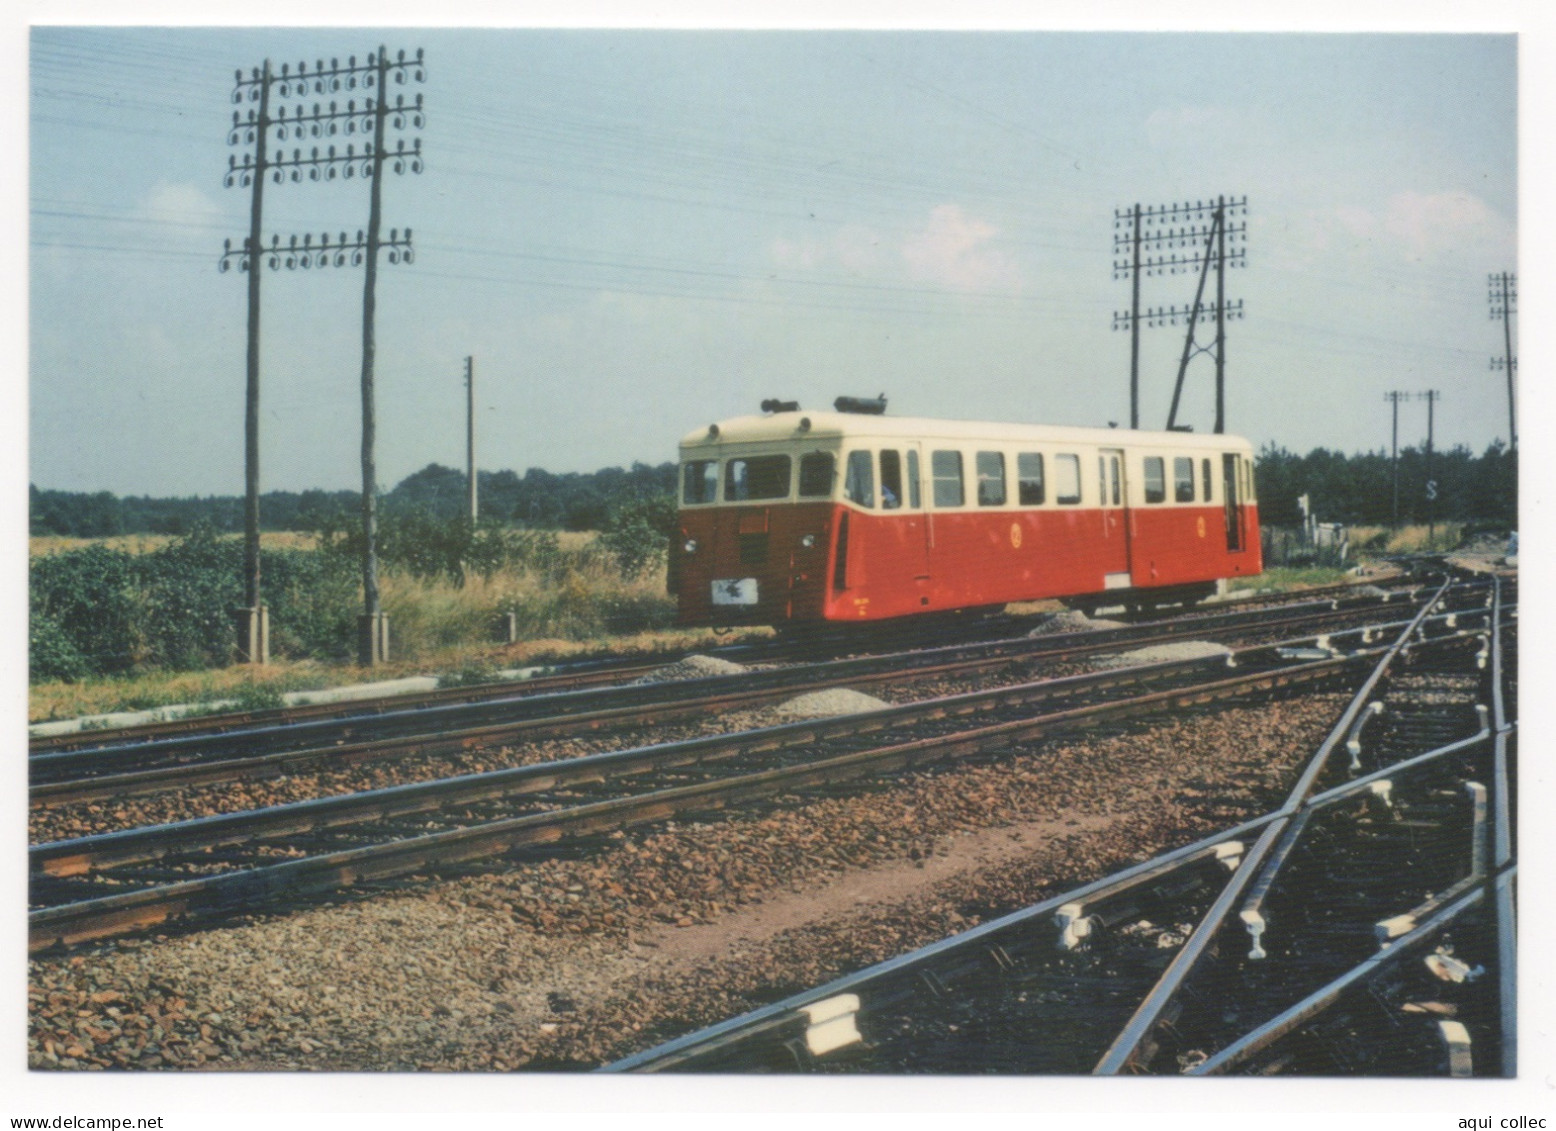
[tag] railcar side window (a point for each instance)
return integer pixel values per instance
(946, 467)
(756, 477)
(913, 499)
(891, 480)
(1204, 478)
(991, 479)
(859, 482)
(1155, 480)
(700, 481)
(817, 470)
(1182, 479)
(1067, 479)
(1029, 479)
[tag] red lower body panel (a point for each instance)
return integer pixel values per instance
(751, 565)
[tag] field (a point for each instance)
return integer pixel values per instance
(568, 594)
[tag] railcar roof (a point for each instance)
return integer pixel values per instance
(844, 425)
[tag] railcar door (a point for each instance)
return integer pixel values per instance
(1113, 549)
(1233, 502)
(902, 501)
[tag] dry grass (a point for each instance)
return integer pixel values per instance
(1405, 540)
(39, 545)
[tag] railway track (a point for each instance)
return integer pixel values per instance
(64, 777)
(95, 886)
(1364, 926)
(259, 725)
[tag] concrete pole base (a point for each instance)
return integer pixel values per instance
(372, 639)
(253, 629)
(505, 628)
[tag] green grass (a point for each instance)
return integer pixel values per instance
(1291, 577)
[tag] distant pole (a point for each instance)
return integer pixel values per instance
(470, 435)
(1431, 397)
(1503, 297)
(1394, 398)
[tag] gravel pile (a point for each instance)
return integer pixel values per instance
(570, 962)
(691, 667)
(1071, 620)
(1164, 653)
(832, 702)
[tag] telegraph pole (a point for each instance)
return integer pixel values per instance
(1431, 397)
(470, 436)
(1394, 398)
(1179, 239)
(373, 632)
(1134, 328)
(322, 122)
(1504, 296)
(253, 620)
(1220, 317)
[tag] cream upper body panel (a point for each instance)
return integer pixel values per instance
(839, 427)
(1150, 459)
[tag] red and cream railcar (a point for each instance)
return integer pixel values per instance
(797, 517)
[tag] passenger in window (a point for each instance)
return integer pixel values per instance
(891, 480)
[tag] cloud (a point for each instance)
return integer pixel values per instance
(179, 204)
(1445, 222)
(189, 213)
(951, 250)
(1410, 226)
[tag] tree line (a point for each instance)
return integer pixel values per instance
(1354, 489)
(538, 500)
(1360, 489)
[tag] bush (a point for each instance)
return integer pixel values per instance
(92, 598)
(637, 533)
(51, 654)
(191, 585)
(314, 600)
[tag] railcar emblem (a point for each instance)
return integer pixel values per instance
(1201, 526)
(1015, 536)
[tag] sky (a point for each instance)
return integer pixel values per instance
(635, 232)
